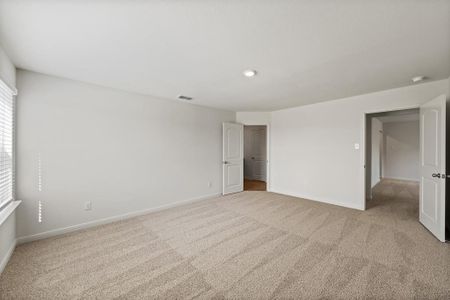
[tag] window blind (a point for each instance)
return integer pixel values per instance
(6, 144)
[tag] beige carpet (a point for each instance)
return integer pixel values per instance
(251, 245)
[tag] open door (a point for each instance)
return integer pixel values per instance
(233, 158)
(432, 162)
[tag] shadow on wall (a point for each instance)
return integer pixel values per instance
(401, 150)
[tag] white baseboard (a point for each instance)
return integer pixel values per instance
(401, 179)
(257, 178)
(59, 231)
(7, 256)
(323, 200)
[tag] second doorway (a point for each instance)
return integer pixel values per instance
(255, 158)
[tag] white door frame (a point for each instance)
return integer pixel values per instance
(363, 145)
(268, 189)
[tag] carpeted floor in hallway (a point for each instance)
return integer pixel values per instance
(250, 245)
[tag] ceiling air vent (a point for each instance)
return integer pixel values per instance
(182, 97)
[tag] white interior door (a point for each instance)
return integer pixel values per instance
(233, 158)
(432, 161)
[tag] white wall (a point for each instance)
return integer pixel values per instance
(376, 144)
(7, 239)
(124, 152)
(7, 70)
(253, 118)
(401, 150)
(312, 147)
(7, 228)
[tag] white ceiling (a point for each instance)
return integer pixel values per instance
(304, 51)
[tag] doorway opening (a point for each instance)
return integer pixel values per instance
(255, 158)
(409, 145)
(393, 163)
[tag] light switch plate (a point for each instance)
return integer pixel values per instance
(356, 146)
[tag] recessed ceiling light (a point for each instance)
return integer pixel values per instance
(249, 73)
(182, 97)
(418, 79)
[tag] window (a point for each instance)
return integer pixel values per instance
(6, 144)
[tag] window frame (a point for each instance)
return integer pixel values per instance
(13, 92)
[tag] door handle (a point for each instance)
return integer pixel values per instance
(436, 175)
(225, 162)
